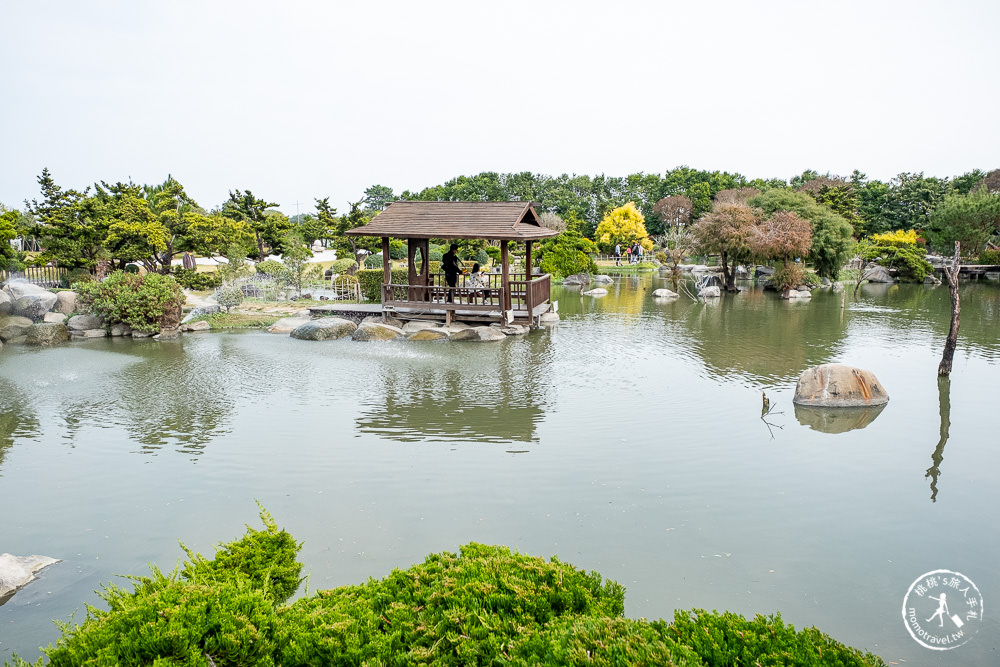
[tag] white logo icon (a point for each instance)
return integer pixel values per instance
(942, 610)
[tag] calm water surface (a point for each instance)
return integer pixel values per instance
(627, 439)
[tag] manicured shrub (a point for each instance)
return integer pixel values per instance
(493, 252)
(229, 297)
(146, 302)
(191, 279)
(435, 254)
(729, 640)
(339, 267)
(989, 257)
(899, 250)
(397, 249)
(371, 282)
(373, 261)
(271, 267)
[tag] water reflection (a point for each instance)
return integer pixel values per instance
(16, 418)
(836, 420)
(944, 409)
(483, 394)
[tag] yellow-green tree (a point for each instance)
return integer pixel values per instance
(624, 225)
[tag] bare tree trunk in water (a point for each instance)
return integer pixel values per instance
(951, 275)
(944, 408)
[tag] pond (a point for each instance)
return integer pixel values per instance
(627, 439)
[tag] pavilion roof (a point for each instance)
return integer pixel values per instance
(491, 220)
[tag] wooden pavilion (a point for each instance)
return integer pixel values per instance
(508, 296)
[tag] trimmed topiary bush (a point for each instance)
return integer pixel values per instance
(229, 297)
(270, 267)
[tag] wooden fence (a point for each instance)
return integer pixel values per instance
(43, 276)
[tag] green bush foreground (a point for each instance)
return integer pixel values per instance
(485, 605)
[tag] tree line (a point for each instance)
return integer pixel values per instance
(725, 213)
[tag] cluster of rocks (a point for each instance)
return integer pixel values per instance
(375, 328)
(33, 315)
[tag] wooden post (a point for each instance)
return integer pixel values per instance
(505, 275)
(386, 262)
(951, 275)
(527, 260)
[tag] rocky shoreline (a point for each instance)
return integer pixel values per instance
(33, 315)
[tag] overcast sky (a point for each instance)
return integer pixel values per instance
(297, 100)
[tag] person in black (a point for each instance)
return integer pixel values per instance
(449, 264)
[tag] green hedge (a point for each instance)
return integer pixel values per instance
(371, 282)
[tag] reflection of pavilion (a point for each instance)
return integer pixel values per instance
(500, 400)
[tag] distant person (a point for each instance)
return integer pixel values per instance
(628, 254)
(451, 268)
(618, 254)
(477, 281)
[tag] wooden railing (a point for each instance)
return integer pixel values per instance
(525, 295)
(442, 297)
(43, 276)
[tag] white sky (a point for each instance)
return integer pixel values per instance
(295, 100)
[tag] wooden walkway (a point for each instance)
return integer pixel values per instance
(972, 270)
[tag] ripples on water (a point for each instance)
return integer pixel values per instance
(627, 439)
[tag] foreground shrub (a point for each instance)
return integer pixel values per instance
(146, 302)
(603, 642)
(486, 605)
(220, 612)
(729, 640)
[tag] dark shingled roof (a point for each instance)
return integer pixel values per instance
(492, 220)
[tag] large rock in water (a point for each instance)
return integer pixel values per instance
(664, 293)
(16, 571)
(30, 301)
(839, 386)
(878, 274)
(428, 333)
(6, 303)
(479, 334)
(324, 328)
(287, 324)
(14, 326)
(47, 334)
(368, 331)
(79, 323)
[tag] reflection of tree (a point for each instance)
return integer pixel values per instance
(944, 409)
(759, 335)
(492, 394)
(16, 419)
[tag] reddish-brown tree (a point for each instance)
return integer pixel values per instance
(674, 211)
